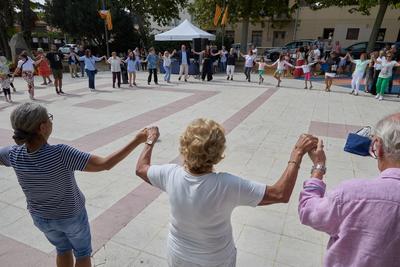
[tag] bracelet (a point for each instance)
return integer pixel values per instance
(294, 162)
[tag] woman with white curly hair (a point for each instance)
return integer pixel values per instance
(202, 200)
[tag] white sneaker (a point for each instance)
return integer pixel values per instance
(355, 93)
(377, 96)
(380, 98)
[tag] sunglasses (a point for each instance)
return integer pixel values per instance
(51, 117)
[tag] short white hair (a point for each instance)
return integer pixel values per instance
(388, 129)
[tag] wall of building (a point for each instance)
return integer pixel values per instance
(311, 25)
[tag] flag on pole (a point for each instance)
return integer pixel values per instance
(106, 15)
(225, 17)
(218, 12)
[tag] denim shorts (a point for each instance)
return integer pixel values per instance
(67, 234)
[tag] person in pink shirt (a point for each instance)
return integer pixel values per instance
(362, 216)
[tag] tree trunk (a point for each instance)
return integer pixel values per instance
(26, 21)
(245, 32)
(4, 44)
(383, 4)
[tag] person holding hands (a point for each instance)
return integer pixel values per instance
(202, 200)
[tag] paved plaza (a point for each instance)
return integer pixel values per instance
(129, 218)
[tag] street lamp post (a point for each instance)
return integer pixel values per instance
(106, 31)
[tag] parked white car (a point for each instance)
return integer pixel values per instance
(65, 48)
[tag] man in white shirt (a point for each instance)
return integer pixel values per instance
(115, 63)
(184, 62)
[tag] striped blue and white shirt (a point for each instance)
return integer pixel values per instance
(47, 178)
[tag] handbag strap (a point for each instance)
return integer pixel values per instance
(365, 131)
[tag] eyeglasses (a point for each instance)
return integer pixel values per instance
(50, 116)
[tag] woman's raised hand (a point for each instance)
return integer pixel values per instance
(305, 144)
(153, 133)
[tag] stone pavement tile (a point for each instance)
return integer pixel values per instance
(24, 231)
(96, 103)
(93, 211)
(295, 252)
(158, 245)
(245, 259)
(137, 234)
(5, 183)
(112, 193)
(9, 215)
(259, 242)
(148, 260)
(113, 254)
(266, 220)
(157, 212)
(13, 194)
(293, 228)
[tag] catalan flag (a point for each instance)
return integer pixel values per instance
(218, 13)
(225, 17)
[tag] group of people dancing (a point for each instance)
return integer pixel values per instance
(377, 70)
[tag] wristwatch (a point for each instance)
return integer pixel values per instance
(149, 142)
(318, 167)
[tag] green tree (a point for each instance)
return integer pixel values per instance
(80, 18)
(16, 11)
(244, 11)
(363, 6)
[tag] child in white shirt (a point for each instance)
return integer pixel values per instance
(6, 82)
(307, 72)
(261, 70)
(280, 68)
(167, 65)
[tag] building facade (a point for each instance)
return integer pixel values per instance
(346, 27)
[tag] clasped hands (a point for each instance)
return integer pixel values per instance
(148, 134)
(313, 146)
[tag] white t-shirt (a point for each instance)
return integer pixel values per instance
(167, 61)
(387, 68)
(261, 65)
(249, 61)
(305, 68)
(26, 66)
(115, 64)
(378, 64)
(281, 64)
(201, 207)
(317, 54)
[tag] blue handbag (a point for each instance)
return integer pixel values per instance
(359, 143)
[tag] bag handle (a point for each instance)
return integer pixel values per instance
(365, 131)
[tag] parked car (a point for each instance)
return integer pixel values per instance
(65, 48)
(273, 53)
(358, 48)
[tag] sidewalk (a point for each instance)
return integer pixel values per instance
(129, 219)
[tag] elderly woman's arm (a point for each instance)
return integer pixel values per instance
(281, 191)
(144, 161)
(98, 163)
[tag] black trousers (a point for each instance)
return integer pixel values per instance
(207, 70)
(154, 72)
(116, 76)
(6, 91)
(373, 87)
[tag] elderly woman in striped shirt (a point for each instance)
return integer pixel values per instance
(46, 175)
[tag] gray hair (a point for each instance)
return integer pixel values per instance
(388, 129)
(26, 120)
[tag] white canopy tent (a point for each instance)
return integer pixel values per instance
(185, 31)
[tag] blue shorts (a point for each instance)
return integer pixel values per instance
(67, 234)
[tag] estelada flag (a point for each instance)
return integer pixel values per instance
(106, 15)
(218, 12)
(225, 17)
